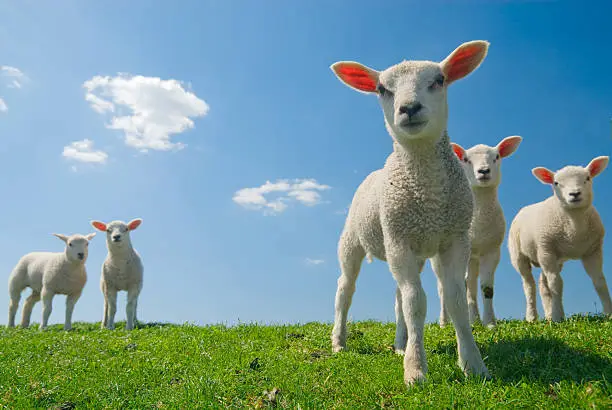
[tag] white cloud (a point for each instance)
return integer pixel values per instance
(83, 151)
(304, 191)
(148, 110)
(10, 77)
(14, 76)
(314, 261)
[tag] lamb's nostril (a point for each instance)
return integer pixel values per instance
(116, 237)
(575, 194)
(81, 255)
(411, 109)
(484, 171)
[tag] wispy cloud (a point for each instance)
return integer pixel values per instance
(274, 197)
(148, 110)
(10, 77)
(314, 261)
(83, 151)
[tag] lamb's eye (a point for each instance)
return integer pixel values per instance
(382, 90)
(465, 159)
(437, 83)
(588, 179)
(556, 183)
(69, 244)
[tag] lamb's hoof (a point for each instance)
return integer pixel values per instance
(42, 329)
(531, 318)
(400, 352)
(415, 376)
(443, 323)
(338, 348)
(478, 370)
(67, 328)
(489, 324)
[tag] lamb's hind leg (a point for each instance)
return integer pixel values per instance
(15, 297)
(450, 265)
(471, 281)
(488, 264)
(350, 255)
(523, 265)
(28, 305)
(593, 264)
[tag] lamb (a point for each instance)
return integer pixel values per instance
(122, 270)
(49, 274)
(418, 206)
(565, 226)
(482, 165)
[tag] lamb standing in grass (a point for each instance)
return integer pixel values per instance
(418, 206)
(482, 165)
(122, 270)
(563, 227)
(49, 274)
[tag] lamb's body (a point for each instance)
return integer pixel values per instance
(49, 274)
(548, 233)
(418, 206)
(415, 198)
(482, 166)
(122, 270)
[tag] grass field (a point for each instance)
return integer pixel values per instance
(542, 365)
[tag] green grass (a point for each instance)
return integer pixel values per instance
(541, 365)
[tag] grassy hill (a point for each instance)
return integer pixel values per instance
(566, 365)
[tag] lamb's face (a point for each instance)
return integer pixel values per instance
(573, 187)
(76, 246)
(482, 163)
(413, 93)
(117, 233)
(413, 99)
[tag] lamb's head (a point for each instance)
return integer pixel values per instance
(117, 232)
(482, 163)
(76, 246)
(412, 94)
(573, 185)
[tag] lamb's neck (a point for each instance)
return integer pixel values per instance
(485, 195)
(575, 215)
(424, 153)
(121, 252)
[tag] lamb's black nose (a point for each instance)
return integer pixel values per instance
(574, 194)
(116, 237)
(81, 255)
(410, 109)
(484, 171)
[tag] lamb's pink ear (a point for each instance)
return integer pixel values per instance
(100, 226)
(597, 165)
(134, 223)
(544, 175)
(459, 151)
(464, 59)
(508, 145)
(356, 76)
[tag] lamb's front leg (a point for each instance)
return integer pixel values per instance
(130, 308)
(488, 265)
(71, 300)
(401, 332)
(471, 282)
(47, 306)
(551, 288)
(406, 270)
(450, 265)
(593, 265)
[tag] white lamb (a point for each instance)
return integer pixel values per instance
(565, 226)
(418, 206)
(482, 165)
(122, 270)
(49, 274)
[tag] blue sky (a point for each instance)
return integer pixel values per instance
(253, 100)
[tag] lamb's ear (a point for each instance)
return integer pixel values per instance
(90, 236)
(463, 60)
(357, 76)
(100, 226)
(134, 223)
(544, 175)
(508, 145)
(597, 165)
(62, 237)
(459, 151)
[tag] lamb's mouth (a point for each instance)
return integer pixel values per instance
(483, 178)
(574, 200)
(414, 126)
